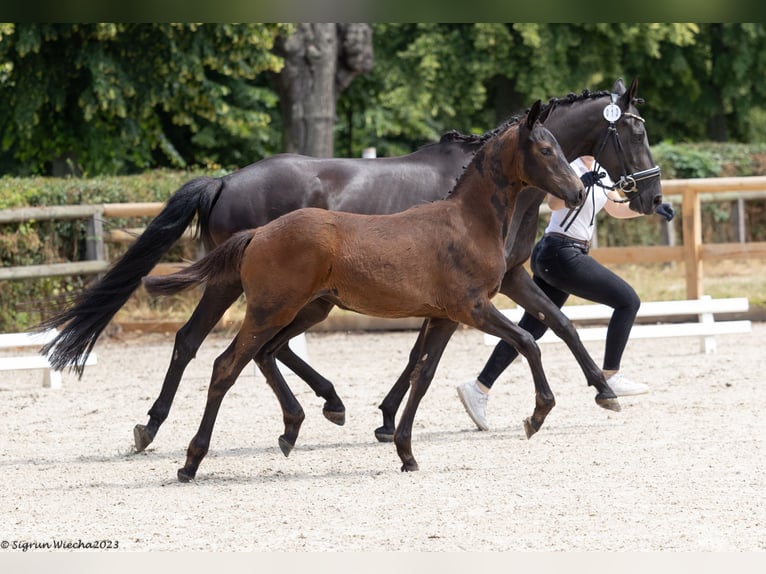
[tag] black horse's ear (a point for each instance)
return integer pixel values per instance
(534, 113)
(626, 96)
(619, 87)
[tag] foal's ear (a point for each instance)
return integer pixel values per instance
(534, 114)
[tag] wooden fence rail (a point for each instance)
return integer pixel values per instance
(693, 253)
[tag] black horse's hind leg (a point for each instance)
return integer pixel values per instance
(519, 286)
(215, 300)
(313, 313)
(394, 398)
(435, 334)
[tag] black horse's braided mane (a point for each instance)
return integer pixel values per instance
(456, 136)
(481, 139)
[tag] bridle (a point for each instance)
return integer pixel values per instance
(628, 182)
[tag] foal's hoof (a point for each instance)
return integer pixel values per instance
(609, 403)
(337, 417)
(529, 427)
(285, 446)
(411, 466)
(141, 437)
(185, 475)
(384, 434)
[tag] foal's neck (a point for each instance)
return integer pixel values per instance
(488, 187)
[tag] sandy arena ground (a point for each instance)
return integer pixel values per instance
(679, 469)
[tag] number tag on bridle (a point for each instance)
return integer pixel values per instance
(612, 113)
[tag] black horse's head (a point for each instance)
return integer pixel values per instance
(607, 125)
(626, 153)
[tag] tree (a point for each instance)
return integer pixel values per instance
(111, 98)
(321, 60)
(700, 81)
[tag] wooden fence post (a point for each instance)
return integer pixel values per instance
(692, 230)
(94, 239)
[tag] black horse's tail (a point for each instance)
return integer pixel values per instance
(222, 265)
(95, 306)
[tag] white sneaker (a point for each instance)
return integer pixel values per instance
(624, 387)
(475, 403)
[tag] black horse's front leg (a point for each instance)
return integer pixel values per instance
(394, 398)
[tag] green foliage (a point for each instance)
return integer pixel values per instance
(113, 98)
(34, 243)
(430, 78)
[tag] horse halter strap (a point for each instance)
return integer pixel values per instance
(628, 182)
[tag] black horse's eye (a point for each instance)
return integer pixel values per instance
(546, 151)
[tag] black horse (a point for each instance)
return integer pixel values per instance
(263, 191)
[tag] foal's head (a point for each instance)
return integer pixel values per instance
(544, 164)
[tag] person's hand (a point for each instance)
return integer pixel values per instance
(665, 210)
(590, 178)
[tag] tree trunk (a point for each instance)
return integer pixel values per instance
(321, 59)
(505, 99)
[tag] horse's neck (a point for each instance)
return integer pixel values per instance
(486, 194)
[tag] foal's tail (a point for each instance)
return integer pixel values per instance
(96, 305)
(222, 265)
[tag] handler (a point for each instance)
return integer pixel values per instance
(561, 266)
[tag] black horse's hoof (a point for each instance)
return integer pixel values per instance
(609, 403)
(336, 417)
(285, 446)
(141, 437)
(384, 435)
(184, 475)
(410, 466)
(529, 427)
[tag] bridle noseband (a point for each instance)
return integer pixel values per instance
(628, 182)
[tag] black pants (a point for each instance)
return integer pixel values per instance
(561, 267)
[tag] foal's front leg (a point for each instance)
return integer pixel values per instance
(519, 286)
(492, 321)
(435, 334)
(394, 398)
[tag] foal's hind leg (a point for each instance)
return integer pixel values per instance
(215, 300)
(313, 313)
(394, 398)
(226, 369)
(292, 412)
(519, 286)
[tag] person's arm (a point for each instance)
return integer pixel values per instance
(555, 203)
(619, 210)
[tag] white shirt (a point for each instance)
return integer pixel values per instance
(580, 222)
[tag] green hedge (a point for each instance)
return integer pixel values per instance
(23, 303)
(29, 243)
